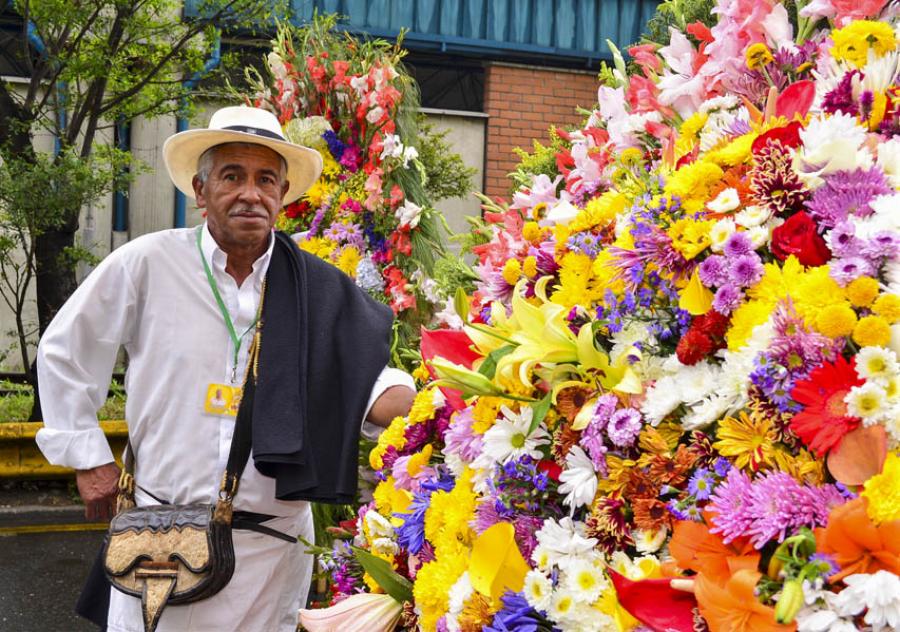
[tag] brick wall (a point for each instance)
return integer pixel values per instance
(522, 102)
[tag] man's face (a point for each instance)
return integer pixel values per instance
(242, 194)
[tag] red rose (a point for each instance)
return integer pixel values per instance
(798, 237)
(693, 347)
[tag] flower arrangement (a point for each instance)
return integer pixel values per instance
(371, 213)
(672, 403)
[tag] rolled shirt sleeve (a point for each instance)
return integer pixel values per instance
(75, 361)
(389, 377)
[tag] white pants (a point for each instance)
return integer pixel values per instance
(270, 583)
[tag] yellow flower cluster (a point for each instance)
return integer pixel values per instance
(853, 42)
(692, 183)
(347, 260)
(690, 236)
(394, 436)
(883, 492)
(423, 407)
(390, 499)
(599, 212)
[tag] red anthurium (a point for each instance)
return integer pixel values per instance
(452, 345)
(796, 99)
(655, 603)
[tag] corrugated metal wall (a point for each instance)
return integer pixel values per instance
(564, 28)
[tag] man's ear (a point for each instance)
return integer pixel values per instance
(284, 190)
(198, 191)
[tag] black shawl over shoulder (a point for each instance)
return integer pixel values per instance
(324, 343)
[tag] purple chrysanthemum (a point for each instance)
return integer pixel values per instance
(460, 439)
(884, 244)
(624, 427)
(714, 271)
(842, 240)
(737, 244)
(841, 99)
(848, 269)
(592, 442)
(729, 504)
(746, 270)
(727, 299)
(847, 194)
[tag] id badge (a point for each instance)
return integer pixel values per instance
(222, 400)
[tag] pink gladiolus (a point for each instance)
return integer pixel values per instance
(848, 10)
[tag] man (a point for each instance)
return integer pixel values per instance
(183, 303)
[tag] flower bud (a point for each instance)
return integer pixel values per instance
(790, 602)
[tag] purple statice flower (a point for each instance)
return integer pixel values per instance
(714, 271)
(624, 427)
(847, 269)
(737, 244)
(847, 194)
(317, 220)
(701, 484)
(460, 439)
(840, 99)
(727, 299)
(842, 239)
(746, 270)
(515, 616)
(729, 504)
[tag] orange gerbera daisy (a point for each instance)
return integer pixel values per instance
(824, 420)
(734, 606)
(857, 544)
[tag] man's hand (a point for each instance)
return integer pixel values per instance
(394, 402)
(98, 487)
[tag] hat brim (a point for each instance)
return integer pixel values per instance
(182, 151)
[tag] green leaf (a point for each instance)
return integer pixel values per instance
(390, 581)
(489, 365)
(461, 304)
(540, 411)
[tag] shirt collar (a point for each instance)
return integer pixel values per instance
(217, 257)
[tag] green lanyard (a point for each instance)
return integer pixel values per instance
(235, 339)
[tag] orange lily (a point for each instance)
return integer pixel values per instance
(858, 544)
(734, 607)
(695, 548)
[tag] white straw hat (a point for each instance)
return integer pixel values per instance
(240, 124)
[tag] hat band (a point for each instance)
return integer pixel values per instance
(258, 131)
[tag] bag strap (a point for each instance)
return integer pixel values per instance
(241, 440)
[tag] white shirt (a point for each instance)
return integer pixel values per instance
(152, 297)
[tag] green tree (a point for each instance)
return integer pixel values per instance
(90, 63)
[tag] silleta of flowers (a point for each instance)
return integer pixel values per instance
(674, 403)
(368, 214)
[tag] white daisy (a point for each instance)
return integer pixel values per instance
(538, 590)
(585, 580)
(564, 541)
(720, 232)
(876, 364)
(646, 541)
(726, 201)
(579, 479)
(562, 603)
(509, 439)
(753, 216)
(878, 594)
(868, 402)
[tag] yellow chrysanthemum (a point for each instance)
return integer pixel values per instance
(449, 514)
(394, 435)
(529, 266)
(561, 234)
(574, 277)
(733, 153)
(883, 492)
(776, 281)
(690, 237)
(872, 331)
(853, 42)
(804, 467)
(348, 260)
(318, 246)
(687, 133)
(888, 307)
(748, 439)
(319, 193)
(600, 211)
(390, 499)
(420, 373)
(862, 291)
(744, 319)
(605, 275)
(420, 459)
(512, 269)
(484, 414)
(836, 321)
(423, 407)
(692, 184)
(433, 580)
(813, 291)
